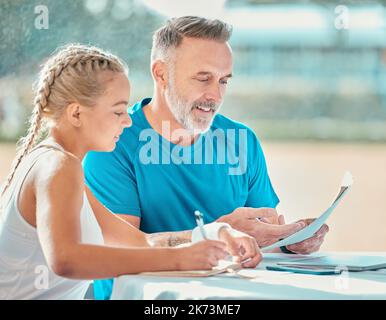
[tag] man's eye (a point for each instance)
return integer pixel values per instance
(203, 80)
(224, 80)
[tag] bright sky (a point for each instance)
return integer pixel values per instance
(264, 17)
(270, 17)
(173, 8)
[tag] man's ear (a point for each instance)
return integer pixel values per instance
(159, 71)
(73, 114)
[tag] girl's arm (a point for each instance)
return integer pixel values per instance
(119, 232)
(59, 198)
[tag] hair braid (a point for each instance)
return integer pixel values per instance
(79, 57)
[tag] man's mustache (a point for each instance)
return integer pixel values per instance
(206, 104)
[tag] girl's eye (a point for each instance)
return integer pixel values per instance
(119, 113)
(202, 80)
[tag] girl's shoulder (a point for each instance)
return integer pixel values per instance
(56, 163)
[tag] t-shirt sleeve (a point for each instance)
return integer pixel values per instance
(110, 176)
(260, 191)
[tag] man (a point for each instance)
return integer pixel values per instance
(180, 155)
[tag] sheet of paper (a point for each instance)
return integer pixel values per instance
(313, 227)
(223, 266)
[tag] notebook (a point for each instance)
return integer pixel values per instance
(189, 273)
(349, 263)
(222, 268)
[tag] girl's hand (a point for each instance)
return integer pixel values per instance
(241, 246)
(202, 255)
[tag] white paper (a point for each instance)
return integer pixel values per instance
(313, 227)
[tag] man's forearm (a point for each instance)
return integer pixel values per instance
(169, 239)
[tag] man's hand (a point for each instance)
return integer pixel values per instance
(309, 245)
(241, 246)
(262, 224)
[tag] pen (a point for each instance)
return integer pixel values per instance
(200, 223)
(245, 260)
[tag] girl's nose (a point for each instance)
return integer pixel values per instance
(127, 122)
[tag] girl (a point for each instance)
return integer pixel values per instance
(54, 234)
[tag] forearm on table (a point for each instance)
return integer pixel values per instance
(98, 262)
(169, 239)
(120, 232)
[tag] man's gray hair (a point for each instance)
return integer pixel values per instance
(171, 34)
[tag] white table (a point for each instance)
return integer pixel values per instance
(266, 285)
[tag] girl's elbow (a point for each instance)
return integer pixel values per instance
(62, 266)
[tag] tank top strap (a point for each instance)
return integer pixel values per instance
(22, 171)
(50, 145)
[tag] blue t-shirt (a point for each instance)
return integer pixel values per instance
(163, 183)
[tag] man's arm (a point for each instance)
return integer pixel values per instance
(123, 229)
(169, 239)
(160, 239)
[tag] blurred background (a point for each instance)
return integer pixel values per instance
(309, 78)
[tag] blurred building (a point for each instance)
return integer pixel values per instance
(302, 69)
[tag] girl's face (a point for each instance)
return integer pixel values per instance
(107, 119)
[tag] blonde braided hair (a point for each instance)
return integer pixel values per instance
(70, 75)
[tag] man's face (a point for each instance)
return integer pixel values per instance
(198, 76)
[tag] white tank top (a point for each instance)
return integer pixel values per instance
(24, 272)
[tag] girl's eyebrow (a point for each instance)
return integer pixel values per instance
(120, 102)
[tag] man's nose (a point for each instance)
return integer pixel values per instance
(214, 93)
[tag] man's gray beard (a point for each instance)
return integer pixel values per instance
(184, 113)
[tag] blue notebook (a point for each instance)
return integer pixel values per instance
(349, 263)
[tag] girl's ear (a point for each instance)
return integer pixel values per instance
(73, 114)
